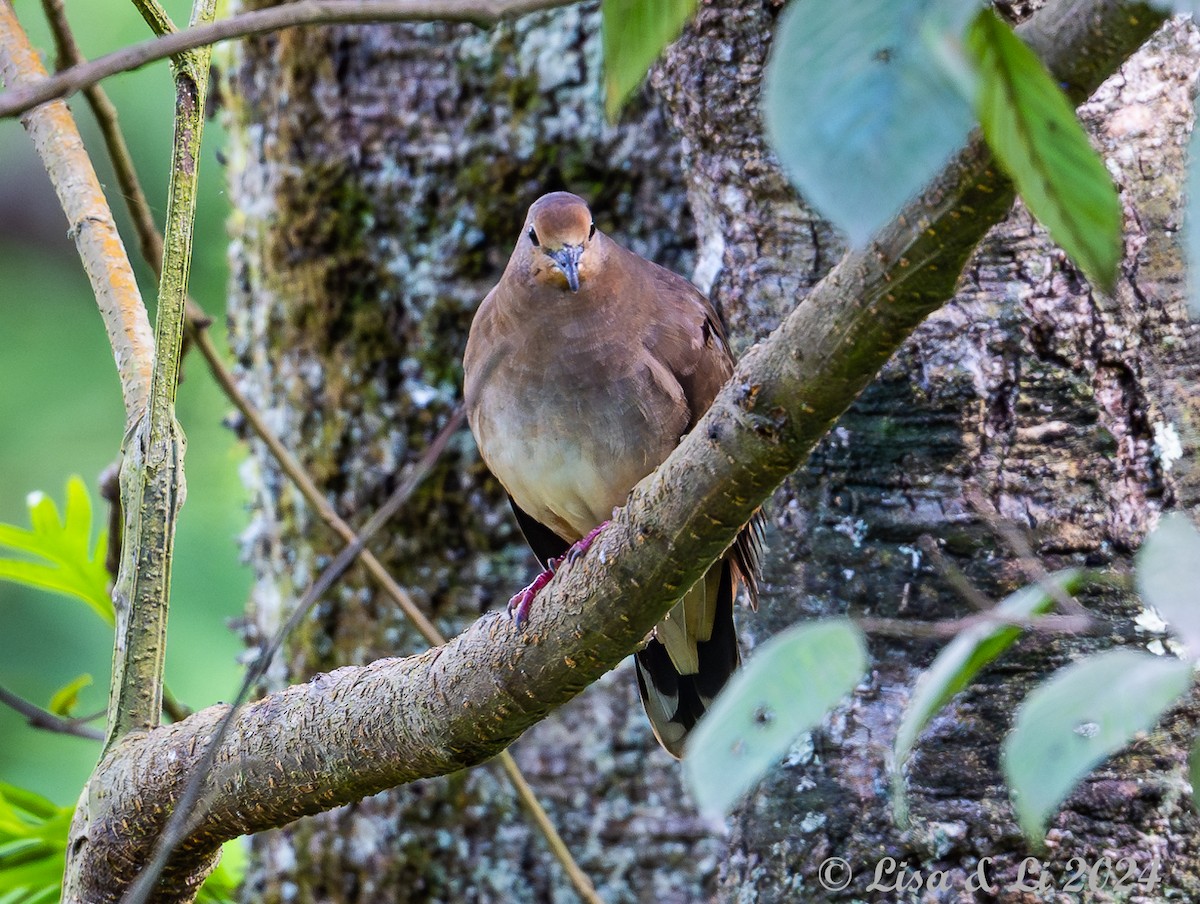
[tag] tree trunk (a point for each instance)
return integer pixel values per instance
(379, 177)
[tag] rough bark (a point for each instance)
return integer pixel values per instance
(1055, 404)
(379, 176)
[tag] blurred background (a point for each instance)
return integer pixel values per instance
(61, 413)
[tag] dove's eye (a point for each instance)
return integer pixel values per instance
(533, 237)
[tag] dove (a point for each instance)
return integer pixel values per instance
(584, 367)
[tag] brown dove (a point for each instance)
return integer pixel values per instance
(584, 367)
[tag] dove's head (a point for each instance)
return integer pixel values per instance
(559, 237)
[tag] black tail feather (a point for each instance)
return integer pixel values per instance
(674, 703)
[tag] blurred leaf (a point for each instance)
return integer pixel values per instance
(785, 689)
(222, 885)
(635, 32)
(66, 698)
(1191, 221)
(1194, 772)
(1079, 717)
(958, 663)
(69, 563)
(860, 104)
(33, 841)
(1168, 576)
(1031, 126)
(33, 844)
(1184, 7)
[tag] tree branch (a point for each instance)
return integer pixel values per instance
(152, 483)
(90, 220)
(261, 21)
(46, 720)
(151, 245)
(367, 728)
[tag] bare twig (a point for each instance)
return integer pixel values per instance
(156, 17)
(1027, 559)
(151, 244)
(954, 575)
(48, 721)
(308, 488)
(186, 809)
(152, 481)
(1050, 624)
(149, 239)
(61, 150)
(261, 21)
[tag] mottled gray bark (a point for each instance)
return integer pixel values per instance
(379, 176)
(1056, 405)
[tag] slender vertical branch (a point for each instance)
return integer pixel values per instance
(156, 17)
(151, 244)
(152, 482)
(149, 239)
(61, 150)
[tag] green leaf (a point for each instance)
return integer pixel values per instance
(785, 689)
(863, 104)
(1081, 716)
(1168, 576)
(635, 32)
(66, 698)
(222, 884)
(58, 554)
(1031, 127)
(1191, 220)
(1194, 772)
(958, 663)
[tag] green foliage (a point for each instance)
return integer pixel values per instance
(785, 689)
(58, 554)
(33, 845)
(861, 104)
(1031, 127)
(958, 663)
(1168, 576)
(635, 32)
(1065, 727)
(66, 698)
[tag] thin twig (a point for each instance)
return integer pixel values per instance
(185, 810)
(151, 244)
(156, 17)
(954, 575)
(261, 21)
(48, 721)
(149, 238)
(1027, 559)
(1050, 624)
(90, 221)
(152, 476)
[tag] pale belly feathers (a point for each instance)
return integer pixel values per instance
(568, 447)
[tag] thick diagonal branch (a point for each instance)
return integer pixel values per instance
(358, 730)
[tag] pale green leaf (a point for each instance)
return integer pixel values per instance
(1078, 718)
(1168, 576)
(634, 33)
(863, 102)
(57, 552)
(786, 688)
(1032, 129)
(1194, 772)
(959, 662)
(1191, 220)
(66, 698)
